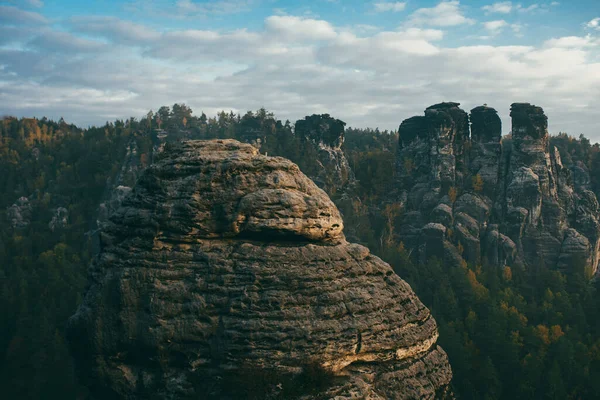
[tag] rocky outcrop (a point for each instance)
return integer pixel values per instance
(324, 136)
(486, 132)
(60, 219)
(431, 151)
(117, 189)
(223, 263)
(503, 201)
(431, 160)
(19, 214)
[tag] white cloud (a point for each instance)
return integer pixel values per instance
(594, 24)
(310, 66)
(504, 7)
(529, 9)
(296, 28)
(572, 42)
(425, 34)
(389, 6)
(446, 13)
(363, 28)
(495, 27)
(517, 29)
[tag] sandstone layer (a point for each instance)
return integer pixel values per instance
(223, 262)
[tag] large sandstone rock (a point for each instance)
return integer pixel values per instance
(512, 201)
(431, 152)
(486, 132)
(324, 136)
(225, 264)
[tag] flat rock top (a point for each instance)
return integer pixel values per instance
(224, 188)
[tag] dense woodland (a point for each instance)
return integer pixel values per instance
(509, 333)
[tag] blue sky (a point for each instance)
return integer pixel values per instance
(369, 63)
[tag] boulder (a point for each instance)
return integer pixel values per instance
(224, 269)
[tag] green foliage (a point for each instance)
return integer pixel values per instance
(511, 333)
(43, 272)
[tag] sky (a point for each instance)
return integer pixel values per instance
(368, 63)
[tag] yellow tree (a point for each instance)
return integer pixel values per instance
(452, 193)
(477, 183)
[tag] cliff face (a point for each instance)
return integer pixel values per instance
(321, 149)
(493, 201)
(223, 262)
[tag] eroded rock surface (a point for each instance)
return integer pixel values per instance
(330, 169)
(222, 260)
(504, 201)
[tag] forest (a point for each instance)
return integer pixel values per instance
(509, 333)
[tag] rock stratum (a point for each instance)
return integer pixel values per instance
(467, 193)
(226, 263)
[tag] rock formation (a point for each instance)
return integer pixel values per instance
(19, 214)
(224, 263)
(503, 201)
(324, 136)
(116, 191)
(60, 219)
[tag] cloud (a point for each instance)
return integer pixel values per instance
(389, 6)
(63, 42)
(14, 35)
(517, 29)
(296, 28)
(504, 7)
(13, 16)
(594, 24)
(529, 9)
(572, 42)
(425, 34)
(293, 66)
(34, 3)
(446, 13)
(363, 28)
(219, 7)
(118, 30)
(495, 27)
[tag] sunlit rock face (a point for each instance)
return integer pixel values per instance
(501, 201)
(224, 262)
